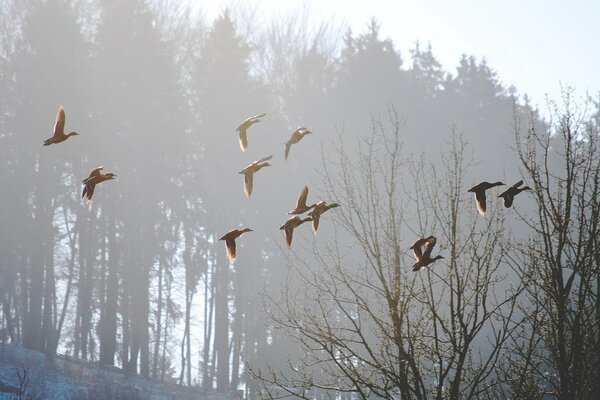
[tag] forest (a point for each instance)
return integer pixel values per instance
(138, 279)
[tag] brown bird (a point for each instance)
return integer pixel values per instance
(424, 258)
(249, 171)
(229, 239)
(244, 127)
(290, 225)
(509, 194)
(59, 129)
(479, 191)
(301, 206)
(297, 135)
(319, 209)
(91, 181)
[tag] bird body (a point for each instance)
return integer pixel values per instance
(297, 135)
(317, 211)
(59, 129)
(229, 239)
(479, 191)
(509, 194)
(92, 180)
(301, 206)
(249, 171)
(290, 225)
(243, 127)
(424, 258)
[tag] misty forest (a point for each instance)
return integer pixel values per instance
(408, 289)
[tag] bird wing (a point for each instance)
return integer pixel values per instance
(88, 191)
(480, 200)
(315, 221)
(243, 138)
(267, 158)
(429, 247)
(59, 125)
(230, 247)
(289, 231)
(302, 198)
(248, 184)
(288, 145)
(416, 248)
(516, 185)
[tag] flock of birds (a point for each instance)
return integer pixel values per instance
(422, 248)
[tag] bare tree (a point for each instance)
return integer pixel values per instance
(368, 325)
(558, 350)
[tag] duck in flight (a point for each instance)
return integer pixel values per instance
(289, 226)
(320, 208)
(59, 129)
(297, 136)
(249, 171)
(243, 127)
(91, 181)
(479, 191)
(424, 258)
(229, 239)
(509, 194)
(301, 206)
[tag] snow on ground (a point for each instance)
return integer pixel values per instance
(68, 379)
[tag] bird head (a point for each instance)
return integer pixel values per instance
(438, 257)
(265, 164)
(499, 183)
(246, 230)
(73, 133)
(526, 188)
(110, 175)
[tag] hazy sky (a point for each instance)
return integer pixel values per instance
(532, 44)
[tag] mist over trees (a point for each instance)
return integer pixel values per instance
(139, 280)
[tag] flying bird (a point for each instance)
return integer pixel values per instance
(317, 211)
(229, 239)
(91, 181)
(244, 127)
(423, 258)
(59, 129)
(297, 135)
(479, 191)
(289, 226)
(509, 194)
(301, 206)
(249, 171)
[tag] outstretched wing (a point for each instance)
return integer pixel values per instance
(267, 158)
(429, 247)
(59, 125)
(516, 185)
(288, 144)
(289, 231)
(243, 138)
(315, 221)
(230, 247)
(302, 199)
(88, 191)
(480, 200)
(416, 248)
(248, 184)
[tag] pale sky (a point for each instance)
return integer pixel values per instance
(534, 45)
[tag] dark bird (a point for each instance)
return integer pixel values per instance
(301, 206)
(319, 209)
(249, 171)
(297, 135)
(509, 194)
(229, 239)
(424, 257)
(91, 181)
(290, 225)
(479, 191)
(244, 127)
(59, 129)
